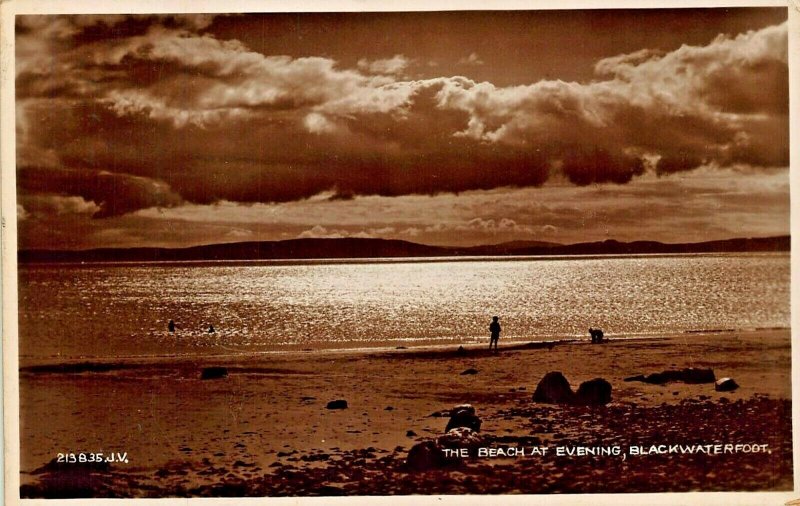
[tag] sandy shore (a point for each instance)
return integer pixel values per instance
(265, 429)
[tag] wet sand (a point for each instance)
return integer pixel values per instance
(264, 430)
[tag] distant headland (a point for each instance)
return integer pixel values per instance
(347, 248)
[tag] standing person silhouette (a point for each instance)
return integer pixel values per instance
(495, 330)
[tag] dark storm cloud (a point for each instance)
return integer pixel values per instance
(137, 112)
(112, 194)
(584, 168)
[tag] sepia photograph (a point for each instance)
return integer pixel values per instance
(398, 253)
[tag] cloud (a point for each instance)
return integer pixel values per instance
(472, 59)
(320, 232)
(239, 233)
(59, 205)
(669, 207)
(487, 225)
(97, 193)
(318, 124)
(149, 111)
(695, 104)
(394, 65)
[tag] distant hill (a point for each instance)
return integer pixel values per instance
(263, 250)
(389, 248)
(611, 247)
(506, 248)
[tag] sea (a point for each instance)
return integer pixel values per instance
(105, 311)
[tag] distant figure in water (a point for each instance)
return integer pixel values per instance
(597, 335)
(495, 329)
(211, 329)
(171, 326)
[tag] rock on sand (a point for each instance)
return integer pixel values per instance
(596, 392)
(461, 437)
(213, 373)
(423, 456)
(553, 389)
(690, 375)
(726, 385)
(463, 416)
(430, 454)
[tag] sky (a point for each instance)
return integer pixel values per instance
(452, 128)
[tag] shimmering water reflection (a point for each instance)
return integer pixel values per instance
(112, 310)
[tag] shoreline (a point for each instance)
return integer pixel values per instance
(371, 260)
(29, 363)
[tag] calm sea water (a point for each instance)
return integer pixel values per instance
(71, 311)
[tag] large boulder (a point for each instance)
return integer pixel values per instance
(726, 385)
(596, 392)
(554, 389)
(463, 416)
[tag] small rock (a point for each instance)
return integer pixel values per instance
(638, 377)
(410, 433)
(337, 404)
(388, 408)
(463, 416)
(423, 456)
(328, 490)
(461, 438)
(469, 371)
(726, 385)
(213, 373)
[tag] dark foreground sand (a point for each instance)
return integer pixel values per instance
(265, 431)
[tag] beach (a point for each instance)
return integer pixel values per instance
(265, 429)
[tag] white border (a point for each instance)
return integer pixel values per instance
(8, 234)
